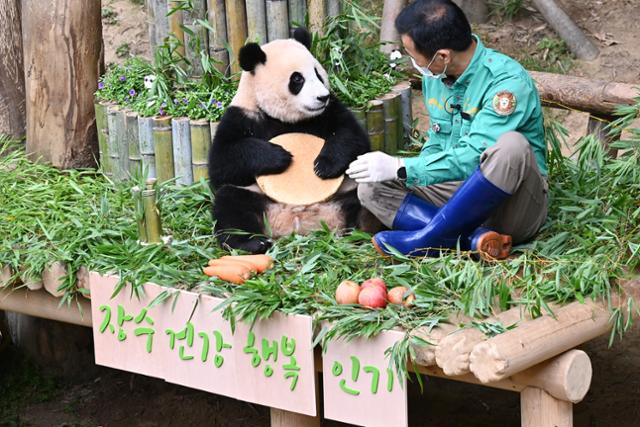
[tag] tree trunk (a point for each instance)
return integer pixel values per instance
(12, 109)
(63, 59)
(388, 34)
(477, 11)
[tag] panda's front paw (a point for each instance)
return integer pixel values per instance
(326, 168)
(276, 161)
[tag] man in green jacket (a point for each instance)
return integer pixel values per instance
(479, 182)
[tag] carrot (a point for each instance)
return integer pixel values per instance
(225, 261)
(261, 262)
(234, 273)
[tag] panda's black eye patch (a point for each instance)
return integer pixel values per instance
(296, 82)
(318, 75)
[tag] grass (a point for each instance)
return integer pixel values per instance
(550, 54)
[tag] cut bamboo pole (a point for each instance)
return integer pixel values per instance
(452, 352)
(181, 137)
(426, 354)
(566, 377)
(361, 117)
(175, 26)
(218, 37)
(200, 143)
(147, 151)
(375, 125)
(42, 304)
(257, 20)
(537, 340)
(389, 36)
(116, 125)
(333, 7)
(317, 14)
(133, 143)
(163, 148)
(153, 223)
(539, 409)
(197, 43)
(236, 29)
(277, 20)
(136, 194)
(122, 144)
(53, 277)
(158, 22)
(404, 89)
(297, 12)
(392, 108)
(103, 137)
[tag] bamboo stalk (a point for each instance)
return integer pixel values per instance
(333, 7)
(317, 14)
(194, 44)
(175, 27)
(157, 21)
(136, 194)
(297, 11)
(257, 21)
(147, 152)
(236, 29)
(181, 138)
(404, 89)
(118, 156)
(103, 137)
(123, 144)
(375, 125)
(200, 142)
(218, 37)
(361, 117)
(392, 122)
(163, 148)
(153, 223)
(278, 20)
(133, 143)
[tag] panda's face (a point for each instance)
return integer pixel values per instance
(289, 83)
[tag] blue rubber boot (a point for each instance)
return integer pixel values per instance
(470, 206)
(414, 213)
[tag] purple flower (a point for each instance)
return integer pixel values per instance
(175, 101)
(122, 78)
(161, 111)
(185, 100)
(219, 104)
(214, 101)
(100, 85)
(132, 92)
(164, 104)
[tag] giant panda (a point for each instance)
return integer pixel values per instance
(282, 89)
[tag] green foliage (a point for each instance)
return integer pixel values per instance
(505, 9)
(123, 50)
(109, 16)
(551, 55)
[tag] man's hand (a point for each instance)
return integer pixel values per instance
(374, 167)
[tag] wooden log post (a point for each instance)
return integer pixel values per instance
(163, 148)
(278, 20)
(389, 36)
(426, 354)
(333, 8)
(181, 137)
(157, 22)
(43, 304)
(297, 11)
(175, 26)
(392, 122)
(539, 409)
(317, 13)
(236, 29)
(198, 42)
(579, 44)
(538, 340)
(12, 100)
(147, 150)
(404, 89)
(375, 125)
(134, 165)
(200, 143)
(218, 38)
(477, 11)
(62, 66)
(257, 20)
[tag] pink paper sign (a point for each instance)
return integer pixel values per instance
(201, 344)
(275, 363)
(358, 385)
(127, 335)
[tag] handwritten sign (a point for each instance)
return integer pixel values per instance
(185, 341)
(359, 386)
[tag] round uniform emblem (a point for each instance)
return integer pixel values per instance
(504, 103)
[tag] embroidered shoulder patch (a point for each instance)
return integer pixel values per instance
(504, 103)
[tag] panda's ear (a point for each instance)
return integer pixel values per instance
(301, 35)
(250, 56)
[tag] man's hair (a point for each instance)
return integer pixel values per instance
(435, 25)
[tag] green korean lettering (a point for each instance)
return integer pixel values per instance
(107, 319)
(205, 346)
(375, 379)
(389, 380)
(269, 349)
(288, 345)
(146, 331)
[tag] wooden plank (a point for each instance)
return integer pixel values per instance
(218, 38)
(257, 20)
(277, 19)
(42, 304)
(236, 29)
(12, 100)
(539, 409)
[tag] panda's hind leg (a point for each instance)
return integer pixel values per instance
(239, 217)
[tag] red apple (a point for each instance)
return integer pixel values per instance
(373, 297)
(347, 292)
(374, 281)
(395, 296)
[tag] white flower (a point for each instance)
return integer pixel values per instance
(395, 55)
(393, 65)
(148, 81)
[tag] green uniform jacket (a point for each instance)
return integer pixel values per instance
(493, 96)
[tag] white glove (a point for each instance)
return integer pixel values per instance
(374, 167)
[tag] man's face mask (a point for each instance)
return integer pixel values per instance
(425, 71)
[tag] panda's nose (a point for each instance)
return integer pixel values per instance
(323, 98)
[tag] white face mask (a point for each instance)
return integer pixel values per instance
(425, 71)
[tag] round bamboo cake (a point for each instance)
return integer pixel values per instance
(299, 185)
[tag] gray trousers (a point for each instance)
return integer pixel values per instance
(509, 164)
